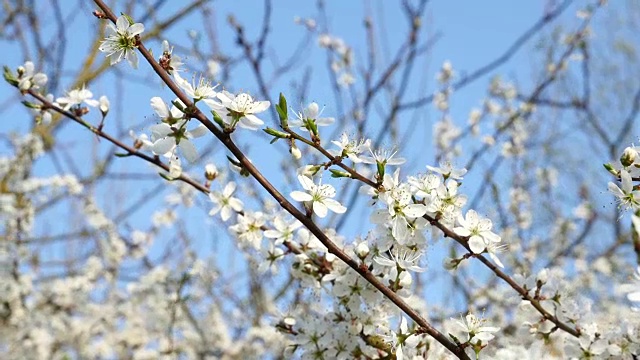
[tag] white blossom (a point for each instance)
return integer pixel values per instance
(627, 196)
(475, 329)
(121, 42)
(238, 109)
(478, 230)
(29, 79)
(350, 148)
(224, 202)
(319, 197)
(167, 138)
(77, 97)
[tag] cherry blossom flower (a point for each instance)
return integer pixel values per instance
(283, 231)
(238, 109)
(309, 118)
(77, 97)
(224, 202)
(141, 141)
(28, 79)
(383, 157)
(350, 148)
(169, 61)
(167, 138)
(249, 228)
(402, 257)
(473, 326)
(448, 171)
(169, 116)
(402, 337)
(425, 185)
(478, 230)
(400, 208)
(122, 43)
(200, 91)
(319, 196)
(627, 196)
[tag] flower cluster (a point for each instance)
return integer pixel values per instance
(165, 309)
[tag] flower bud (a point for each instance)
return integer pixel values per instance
(210, 172)
(543, 276)
(362, 250)
(295, 152)
(104, 105)
(628, 156)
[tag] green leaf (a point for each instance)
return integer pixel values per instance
(123, 154)
(276, 133)
(610, 169)
(178, 104)
(339, 173)
(380, 167)
(283, 111)
(129, 18)
(30, 105)
(8, 76)
(218, 119)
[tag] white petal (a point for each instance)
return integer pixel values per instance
(306, 182)
(164, 145)
(476, 244)
(472, 218)
(122, 23)
(260, 106)
(160, 130)
(414, 210)
(236, 204)
(229, 189)
(132, 58)
(225, 214)
(384, 261)
(461, 231)
(334, 206)
(490, 236)
(188, 150)
(199, 131)
(301, 196)
(251, 122)
(136, 29)
(320, 209)
(160, 107)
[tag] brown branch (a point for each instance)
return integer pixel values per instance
(289, 207)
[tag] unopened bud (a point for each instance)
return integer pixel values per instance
(543, 276)
(628, 156)
(104, 105)
(295, 152)
(362, 250)
(210, 172)
(309, 170)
